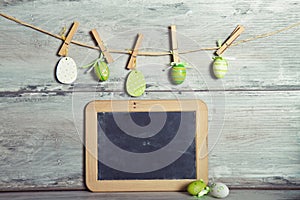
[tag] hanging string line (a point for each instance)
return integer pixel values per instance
(264, 35)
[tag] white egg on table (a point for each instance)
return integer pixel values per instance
(66, 70)
(219, 190)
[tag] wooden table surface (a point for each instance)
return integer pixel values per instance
(234, 195)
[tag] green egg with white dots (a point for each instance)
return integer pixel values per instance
(135, 83)
(220, 67)
(101, 70)
(197, 187)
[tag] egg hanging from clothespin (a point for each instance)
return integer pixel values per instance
(220, 64)
(135, 83)
(178, 70)
(101, 68)
(66, 69)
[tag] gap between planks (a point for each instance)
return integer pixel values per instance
(63, 92)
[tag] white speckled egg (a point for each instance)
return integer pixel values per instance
(66, 70)
(219, 190)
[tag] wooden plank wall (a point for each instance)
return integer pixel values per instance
(254, 112)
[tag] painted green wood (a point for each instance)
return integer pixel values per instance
(234, 195)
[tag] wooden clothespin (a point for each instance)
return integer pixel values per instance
(103, 49)
(132, 61)
(233, 36)
(175, 54)
(64, 48)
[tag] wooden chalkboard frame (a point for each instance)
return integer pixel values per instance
(91, 162)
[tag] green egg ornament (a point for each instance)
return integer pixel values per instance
(135, 84)
(178, 73)
(220, 66)
(198, 188)
(101, 70)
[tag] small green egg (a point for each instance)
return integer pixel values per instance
(178, 73)
(101, 70)
(220, 67)
(197, 187)
(135, 83)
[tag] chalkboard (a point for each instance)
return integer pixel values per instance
(145, 145)
(183, 166)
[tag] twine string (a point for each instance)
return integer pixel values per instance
(264, 35)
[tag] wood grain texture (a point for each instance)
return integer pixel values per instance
(41, 139)
(269, 63)
(254, 112)
(234, 195)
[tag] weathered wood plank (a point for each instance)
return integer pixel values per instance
(269, 63)
(41, 130)
(253, 144)
(234, 195)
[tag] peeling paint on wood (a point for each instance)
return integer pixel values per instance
(268, 63)
(41, 139)
(41, 130)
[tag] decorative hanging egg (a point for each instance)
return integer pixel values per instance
(220, 66)
(101, 70)
(135, 84)
(178, 73)
(66, 70)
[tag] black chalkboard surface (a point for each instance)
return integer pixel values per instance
(145, 145)
(182, 167)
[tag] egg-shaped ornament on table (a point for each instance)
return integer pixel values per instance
(101, 70)
(219, 190)
(66, 70)
(198, 188)
(220, 67)
(178, 73)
